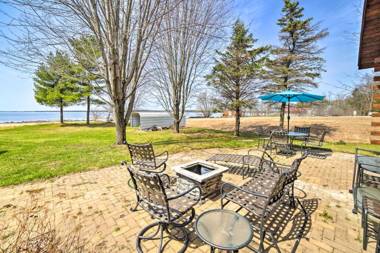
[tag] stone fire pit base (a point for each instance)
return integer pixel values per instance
(208, 176)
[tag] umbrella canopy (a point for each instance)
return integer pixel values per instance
(291, 96)
(288, 96)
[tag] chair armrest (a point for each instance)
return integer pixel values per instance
(166, 154)
(154, 170)
(166, 180)
(256, 194)
(123, 163)
(187, 192)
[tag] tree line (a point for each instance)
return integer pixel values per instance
(117, 50)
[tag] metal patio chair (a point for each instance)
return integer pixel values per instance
(304, 139)
(316, 140)
(290, 171)
(366, 177)
(249, 163)
(264, 192)
(259, 196)
(371, 222)
(162, 201)
(279, 141)
(143, 156)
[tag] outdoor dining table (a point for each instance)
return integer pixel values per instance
(224, 229)
(293, 135)
(296, 135)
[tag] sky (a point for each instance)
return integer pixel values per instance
(340, 17)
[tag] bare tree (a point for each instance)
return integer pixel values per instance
(124, 30)
(183, 52)
(206, 103)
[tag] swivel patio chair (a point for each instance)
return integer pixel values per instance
(143, 156)
(162, 201)
(371, 222)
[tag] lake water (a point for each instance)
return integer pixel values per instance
(9, 117)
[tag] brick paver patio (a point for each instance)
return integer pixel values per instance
(100, 201)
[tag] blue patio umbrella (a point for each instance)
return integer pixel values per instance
(288, 96)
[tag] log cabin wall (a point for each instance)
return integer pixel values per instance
(375, 125)
(369, 57)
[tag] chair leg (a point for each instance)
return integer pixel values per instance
(291, 197)
(134, 209)
(262, 238)
(365, 235)
(161, 227)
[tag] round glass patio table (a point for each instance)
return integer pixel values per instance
(296, 134)
(224, 229)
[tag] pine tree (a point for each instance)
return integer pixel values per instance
(87, 53)
(54, 84)
(298, 62)
(236, 71)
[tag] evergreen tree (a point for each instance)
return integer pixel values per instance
(236, 71)
(298, 62)
(87, 53)
(54, 85)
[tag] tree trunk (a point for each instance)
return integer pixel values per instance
(120, 124)
(61, 111)
(177, 121)
(176, 125)
(130, 107)
(88, 110)
(237, 121)
(282, 115)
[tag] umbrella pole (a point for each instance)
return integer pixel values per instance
(288, 140)
(288, 114)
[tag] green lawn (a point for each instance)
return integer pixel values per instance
(43, 151)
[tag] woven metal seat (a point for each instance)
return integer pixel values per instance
(163, 202)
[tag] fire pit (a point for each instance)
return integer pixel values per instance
(208, 176)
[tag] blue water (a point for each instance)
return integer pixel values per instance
(9, 117)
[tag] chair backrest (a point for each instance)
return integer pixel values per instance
(291, 175)
(279, 137)
(278, 190)
(305, 130)
(150, 189)
(322, 137)
(141, 153)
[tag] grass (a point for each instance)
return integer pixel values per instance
(44, 151)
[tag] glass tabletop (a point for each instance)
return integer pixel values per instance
(224, 229)
(296, 134)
